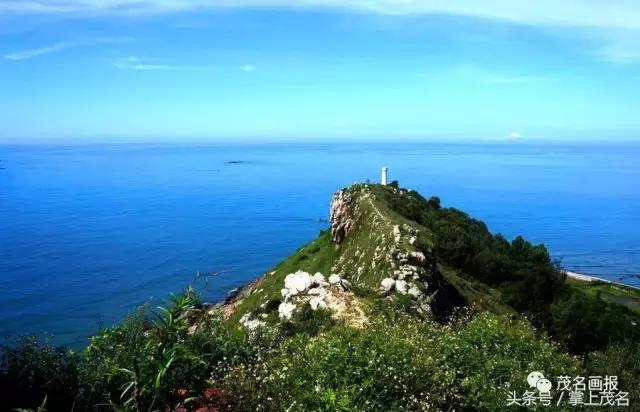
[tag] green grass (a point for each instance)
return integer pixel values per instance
(480, 296)
(609, 292)
(317, 256)
(356, 251)
(359, 248)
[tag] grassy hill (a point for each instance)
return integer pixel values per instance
(401, 304)
(458, 262)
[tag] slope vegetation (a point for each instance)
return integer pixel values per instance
(400, 305)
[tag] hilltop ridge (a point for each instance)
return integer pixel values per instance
(387, 241)
(374, 248)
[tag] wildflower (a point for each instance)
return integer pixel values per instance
(182, 392)
(209, 393)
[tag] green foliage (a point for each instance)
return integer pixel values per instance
(184, 356)
(621, 360)
(163, 360)
(33, 369)
(495, 354)
(398, 363)
(523, 275)
(524, 272)
(41, 408)
(318, 256)
(308, 321)
(588, 322)
(622, 295)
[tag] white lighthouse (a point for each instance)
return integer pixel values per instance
(383, 176)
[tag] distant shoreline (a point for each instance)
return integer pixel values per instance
(589, 278)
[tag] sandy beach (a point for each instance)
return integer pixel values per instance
(583, 277)
(589, 278)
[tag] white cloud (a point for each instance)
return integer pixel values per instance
(515, 135)
(248, 68)
(58, 47)
(144, 66)
(572, 13)
(27, 54)
(137, 63)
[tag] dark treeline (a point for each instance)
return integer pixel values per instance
(526, 276)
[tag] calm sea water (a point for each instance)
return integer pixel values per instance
(88, 233)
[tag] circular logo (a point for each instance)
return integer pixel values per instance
(533, 378)
(544, 385)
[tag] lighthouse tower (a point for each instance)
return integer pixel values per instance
(383, 176)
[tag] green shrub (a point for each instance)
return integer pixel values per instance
(307, 321)
(162, 362)
(32, 369)
(494, 354)
(524, 275)
(398, 363)
(621, 360)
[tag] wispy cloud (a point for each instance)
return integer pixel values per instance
(58, 47)
(137, 63)
(27, 54)
(515, 135)
(248, 68)
(574, 13)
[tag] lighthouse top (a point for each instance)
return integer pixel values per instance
(383, 176)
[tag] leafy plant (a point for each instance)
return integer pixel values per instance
(33, 369)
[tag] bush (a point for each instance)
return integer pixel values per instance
(587, 323)
(164, 362)
(32, 369)
(524, 274)
(308, 321)
(621, 360)
(398, 363)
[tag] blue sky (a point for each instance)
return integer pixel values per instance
(159, 70)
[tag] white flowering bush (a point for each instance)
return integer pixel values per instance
(398, 363)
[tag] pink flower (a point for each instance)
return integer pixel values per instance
(210, 393)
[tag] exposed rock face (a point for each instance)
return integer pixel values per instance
(415, 291)
(318, 278)
(340, 283)
(285, 310)
(317, 303)
(387, 285)
(298, 282)
(398, 252)
(341, 221)
(334, 279)
(401, 287)
(301, 288)
(418, 257)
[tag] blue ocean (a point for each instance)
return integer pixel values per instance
(89, 232)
